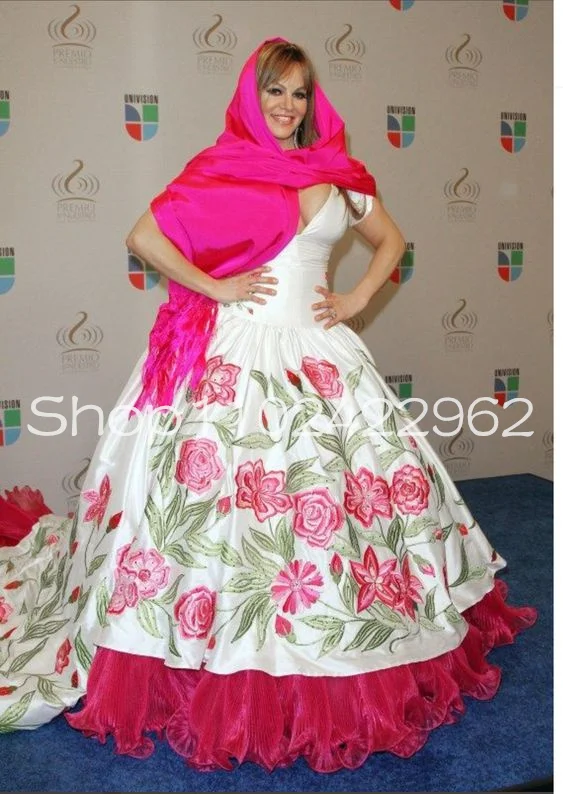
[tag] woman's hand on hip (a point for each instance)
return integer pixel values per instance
(245, 286)
(336, 306)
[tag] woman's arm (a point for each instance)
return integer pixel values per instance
(147, 241)
(380, 230)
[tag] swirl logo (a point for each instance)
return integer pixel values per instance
(464, 61)
(73, 37)
(215, 45)
(72, 485)
(405, 269)
(547, 441)
(80, 343)
(462, 194)
(141, 275)
(345, 53)
(10, 422)
(456, 453)
(506, 385)
(513, 132)
(7, 268)
(459, 326)
(76, 191)
(356, 323)
(515, 10)
(510, 261)
(4, 111)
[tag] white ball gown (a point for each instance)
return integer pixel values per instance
(273, 569)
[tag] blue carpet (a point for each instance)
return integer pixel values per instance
(495, 745)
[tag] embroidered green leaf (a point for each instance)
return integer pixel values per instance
(102, 603)
(353, 378)
(96, 563)
(258, 560)
(440, 487)
(305, 480)
(226, 436)
(285, 539)
(464, 572)
(81, 603)
(48, 576)
(37, 630)
(171, 642)
(349, 591)
(281, 393)
(478, 572)
(357, 440)
(452, 615)
(322, 622)
(261, 379)
(331, 640)
(203, 545)
(335, 465)
(51, 606)
(263, 617)
(147, 618)
(255, 441)
(249, 613)
(38, 540)
(418, 526)
(230, 556)
(264, 541)
(244, 582)
(428, 624)
(195, 515)
(395, 533)
(170, 595)
(373, 633)
(446, 531)
(354, 542)
(178, 553)
(46, 689)
(300, 420)
(82, 653)
(389, 457)
(23, 659)
(430, 606)
(154, 520)
(390, 429)
(15, 712)
(385, 613)
(330, 442)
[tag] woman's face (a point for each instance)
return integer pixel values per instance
(284, 104)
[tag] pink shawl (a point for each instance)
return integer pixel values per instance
(233, 208)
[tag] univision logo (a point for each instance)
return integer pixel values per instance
(464, 62)
(459, 326)
(73, 37)
(513, 132)
(345, 53)
(141, 275)
(76, 191)
(141, 116)
(456, 453)
(401, 385)
(506, 384)
(510, 261)
(215, 45)
(4, 111)
(400, 125)
(515, 10)
(7, 268)
(72, 486)
(80, 343)
(401, 5)
(405, 269)
(10, 422)
(462, 195)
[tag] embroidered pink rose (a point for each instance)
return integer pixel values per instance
(149, 567)
(63, 660)
(217, 385)
(6, 610)
(224, 505)
(367, 496)
(398, 590)
(261, 491)
(199, 464)
(317, 517)
(195, 611)
(125, 593)
(410, 489)
(296, 587)
(323, 375)
(98, 501)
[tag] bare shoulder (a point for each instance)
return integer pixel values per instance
(377, 224)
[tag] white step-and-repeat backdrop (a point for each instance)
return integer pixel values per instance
(449, 103)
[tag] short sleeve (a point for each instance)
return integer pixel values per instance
(363, 203)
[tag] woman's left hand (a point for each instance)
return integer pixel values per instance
(336, 307)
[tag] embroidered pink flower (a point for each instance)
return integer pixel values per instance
(51, 539)
(399, 590)
(296, 586)
(462, 529)
(62, 657)
(6, 610)
(224, 505)
(437, 534)
(217, 385)
(336, 566)
(28, 500)
(410, 489)
(98, 501)
(317, 517)
(261, 491)
(199, 464)
(149, 567)
(323, 375)
(195, 611)
(125, 593)
(367, 496)
(282, 626)
(412, 442)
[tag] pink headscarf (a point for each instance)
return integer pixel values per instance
(233, 208)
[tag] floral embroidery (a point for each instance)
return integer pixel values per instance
(323, 375)
(140, 574)
(367, 496)
(63, 660)
(125, 593)
(195, 611)
(217, 385)
(296, 586)
(398, 590)
(5, 610)
(199, 464)
(98, 502)
(409, 490)
(317, 517)
(261, 491)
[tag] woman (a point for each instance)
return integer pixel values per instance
(265, 563)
